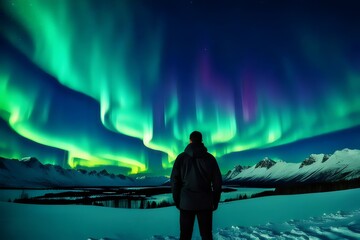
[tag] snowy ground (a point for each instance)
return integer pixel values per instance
(339, 225)
(332, 215)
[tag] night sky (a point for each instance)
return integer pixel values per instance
(121, 84)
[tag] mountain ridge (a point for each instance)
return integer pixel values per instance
(341, 165)
(29, 172)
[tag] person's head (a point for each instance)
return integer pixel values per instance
(196, 137)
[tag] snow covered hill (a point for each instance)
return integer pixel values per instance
(30, 172)
(342, 165)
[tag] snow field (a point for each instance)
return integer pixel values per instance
(262, 217)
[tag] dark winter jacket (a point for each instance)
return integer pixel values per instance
(196, 179)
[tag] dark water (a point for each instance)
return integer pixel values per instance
(139, 197)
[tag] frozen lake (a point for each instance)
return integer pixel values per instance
(147, 197)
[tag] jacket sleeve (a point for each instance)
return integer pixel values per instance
(176, 182)
(216, 184)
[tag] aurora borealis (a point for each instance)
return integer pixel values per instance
(123, 83)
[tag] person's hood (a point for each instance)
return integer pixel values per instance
(195, 149)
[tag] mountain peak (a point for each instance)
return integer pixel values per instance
(308, 161)
(104, 173)
(235, 171)
(326, 157)
(239, 168)
(315, 158)
(265, 163)
(31, 162)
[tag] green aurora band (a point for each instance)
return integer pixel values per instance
(113, 54)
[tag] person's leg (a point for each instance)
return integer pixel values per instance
(205, 224)
(187, 219)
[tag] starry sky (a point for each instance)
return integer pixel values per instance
(121, 84)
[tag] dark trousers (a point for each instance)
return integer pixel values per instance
(187, 219)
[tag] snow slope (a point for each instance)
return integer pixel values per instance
(331, 213)
(342, 165)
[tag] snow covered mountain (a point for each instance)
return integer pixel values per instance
(342, 165)
(30, 172)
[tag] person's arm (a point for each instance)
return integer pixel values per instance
(216, 184)
(176, 182)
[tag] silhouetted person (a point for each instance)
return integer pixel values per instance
(196, 187)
